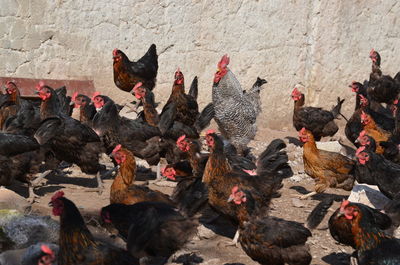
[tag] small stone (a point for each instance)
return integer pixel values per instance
(11, 200)
(205, 233)
(368, 195)
(298, 203)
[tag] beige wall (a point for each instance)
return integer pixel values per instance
(322, 44)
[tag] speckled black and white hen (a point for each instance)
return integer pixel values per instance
(235, 112)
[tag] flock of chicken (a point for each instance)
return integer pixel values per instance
(225, 182)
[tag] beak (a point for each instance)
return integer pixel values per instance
(50, 204)
(357, 141)
(340, 214)
(230, 198)
(36, 92)
(72, 103)
(112, 155)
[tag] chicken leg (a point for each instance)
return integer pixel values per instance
(32, 196)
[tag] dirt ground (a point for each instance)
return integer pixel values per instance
(212, 250)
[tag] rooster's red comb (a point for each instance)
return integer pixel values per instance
(344, 204)
(117, 148)
(360, 150)
(95, 94)
(372, 52)
(47, 250)
(235, 189)
(139, 84)
(224, 62)
(115, 52)
(40, 85)
(74, 95)
(57, 195)
(362, 133)
(181, 139)
(210, 131)
(302, 131)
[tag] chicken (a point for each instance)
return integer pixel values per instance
(329, 169)
(320, 122)
(70, 140)
(382, 88)
(40, 254)
(140, 138)
(374, 169)
(86, 109)
(77, 244)
(266, 239)
(152, 229)
(122, 188)
(11, 147)
(186, 106)
(25, 122)
(10, 103)
(127, 73)
(218, 175)
(341, 228)
(372, 244)
(377, 112)
(370, 127)
(235, 112)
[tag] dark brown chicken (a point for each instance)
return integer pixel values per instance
(77, 245)
(219, 176)
(267, 239)
(140, 138)
(70, 140)
(329, 169)
(86, 109)
(152, 229)
(381, 88)
(123, 190)
(373, 245)
(10, 104)
(320, 122)
(127, 73)
(186, 106)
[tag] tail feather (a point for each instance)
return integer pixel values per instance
(205, 118)
(190, 194)
(336, 110)
(318, 213)
(273, 161)
(194, 89)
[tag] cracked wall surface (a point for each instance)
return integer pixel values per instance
(322, 44)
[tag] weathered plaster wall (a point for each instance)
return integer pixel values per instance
(322, 44)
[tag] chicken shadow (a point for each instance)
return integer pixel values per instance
(319, 196)
(65, 178)
(188, 259)
(337, 258)
(294, 140)
(22, 189)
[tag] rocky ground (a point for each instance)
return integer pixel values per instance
(207, 247)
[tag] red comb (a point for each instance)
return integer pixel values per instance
(10, 83)
(344, 204)
(360, 150)
(363, 115)
(362, 133)
(224, 62)
(178, 70)
(137, 85)
(235, 189)
(58, 194)
(302, 131)
(115, 51)
(74, 95)
(396, 101)
(95, 94)
(210, 131)
(296, 92)
(40, 85)
(180, 139)
(116, 149)
(371, 52)
(47, 250)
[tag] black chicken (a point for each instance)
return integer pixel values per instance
(151, 229)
